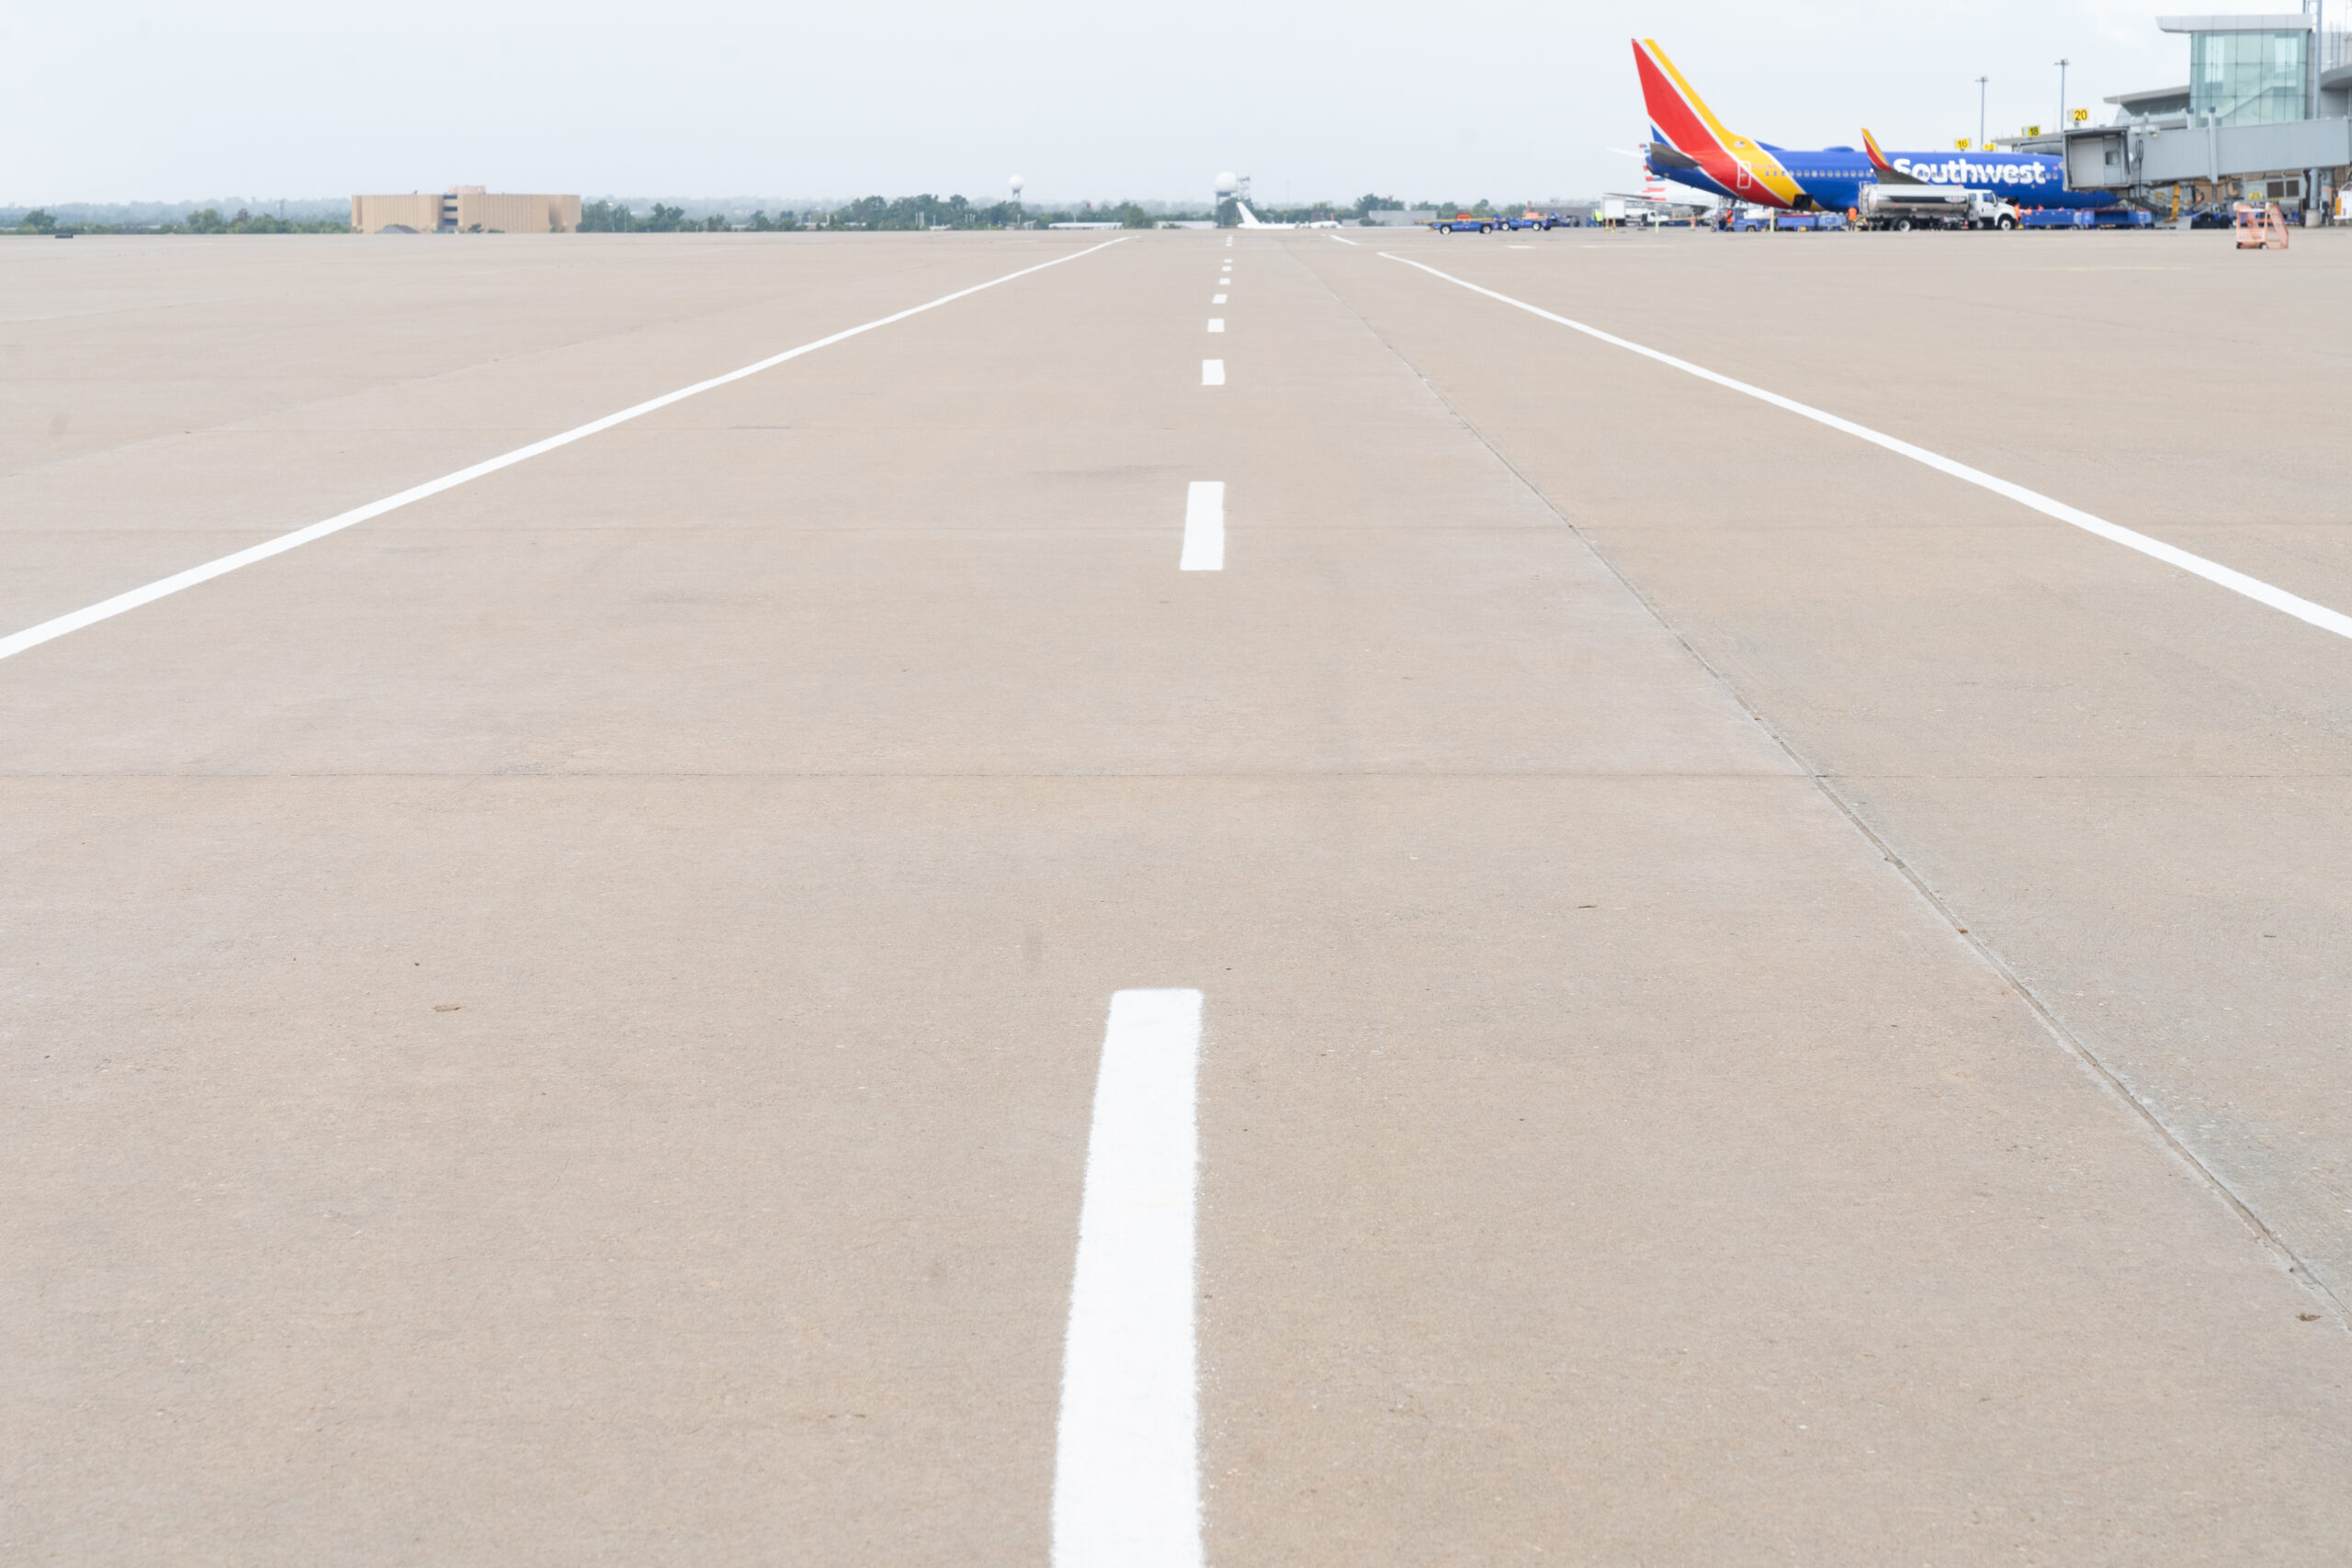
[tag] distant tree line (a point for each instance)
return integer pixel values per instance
(614, 217)
(204, 220)
(871, 212)
(207, 220)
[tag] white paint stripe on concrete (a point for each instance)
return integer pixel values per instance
(1126, 1462)
(1217, 299)
(1343, 242)
(1204, 527)
(1228, 242)
(2253, 588)
(1217, 323)
(1212, 372)
(106, 609)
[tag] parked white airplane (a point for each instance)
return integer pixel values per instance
(1251, 220)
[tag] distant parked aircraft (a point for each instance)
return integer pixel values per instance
(1689, 146)
(1251, 220)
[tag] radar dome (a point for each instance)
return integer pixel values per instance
(1226, 182)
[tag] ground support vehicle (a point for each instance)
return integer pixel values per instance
(1905, 207)
(2224, 216)
(1463, 223)
(1799, 222)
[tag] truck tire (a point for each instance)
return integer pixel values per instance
(2006, 223)
(1903, 225)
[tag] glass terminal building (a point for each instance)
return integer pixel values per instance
(2253, 75)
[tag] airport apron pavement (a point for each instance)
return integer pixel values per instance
(561, 1023)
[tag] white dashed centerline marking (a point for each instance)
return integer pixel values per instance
(1217, 299)
(1126, 1460)
(2253, 588)
(1343, 242)
(1204, 527)
(1212, 372)
(1217, 323)
(107, 609)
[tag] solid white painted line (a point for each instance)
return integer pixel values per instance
(1217, 299)
(2253, 588)
(1228, 242)
(1212, 372)
(1126, 1461)
(1204, 527)
(1217, 323)
(1343, 242)
(106, 609)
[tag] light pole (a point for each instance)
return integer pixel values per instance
(1980, 111)
(2315, 210)
(2062, 100)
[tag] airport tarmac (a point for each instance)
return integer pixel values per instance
(1759, 1000)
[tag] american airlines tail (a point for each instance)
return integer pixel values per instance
(1682, 119)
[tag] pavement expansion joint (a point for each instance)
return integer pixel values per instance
(2067, 1038)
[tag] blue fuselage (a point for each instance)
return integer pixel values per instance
(1834, 177)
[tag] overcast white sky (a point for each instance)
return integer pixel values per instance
(116, 100)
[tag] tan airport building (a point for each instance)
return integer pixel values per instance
(465, 207)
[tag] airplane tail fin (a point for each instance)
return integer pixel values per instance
(1888, 174)
(1682, 120)
(1248, 219)
(1677, 112)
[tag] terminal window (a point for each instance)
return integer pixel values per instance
(2246, 78)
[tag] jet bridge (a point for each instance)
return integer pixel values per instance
(2133, 157)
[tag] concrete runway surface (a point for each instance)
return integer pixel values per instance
(1758, 1002)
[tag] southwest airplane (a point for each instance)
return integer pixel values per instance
(1689, 146)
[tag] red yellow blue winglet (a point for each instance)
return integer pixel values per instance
(1734, 163)
(1888, 174)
